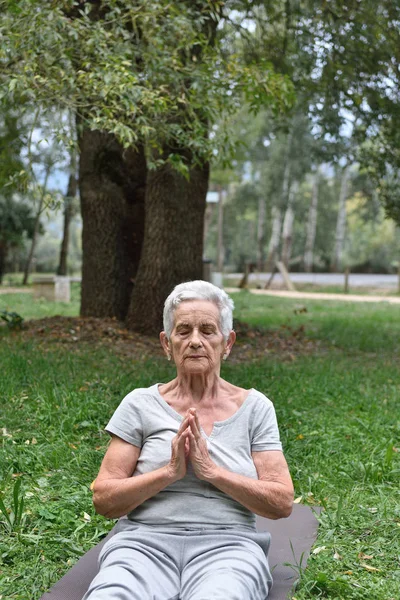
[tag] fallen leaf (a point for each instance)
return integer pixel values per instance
(86, 517)
(300, 437)
(364, 556)
(298, 500)
(369, 568)
(347, 572)
(337, 556)
(319, 549)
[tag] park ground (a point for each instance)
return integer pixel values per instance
(331, 369)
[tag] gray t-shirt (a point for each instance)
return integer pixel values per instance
(146, 420)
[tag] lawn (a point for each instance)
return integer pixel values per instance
(339, 419)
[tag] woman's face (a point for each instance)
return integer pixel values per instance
(196, 343)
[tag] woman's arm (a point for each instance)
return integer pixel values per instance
(116, 492)
(271, 495)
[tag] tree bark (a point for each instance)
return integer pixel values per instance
(287, 229)
(341, 223)
(112, 185)
(311, 227)
(173, 242)
(68, 213)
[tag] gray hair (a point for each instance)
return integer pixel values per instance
(199, 290)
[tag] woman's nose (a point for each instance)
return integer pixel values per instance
(195, 340)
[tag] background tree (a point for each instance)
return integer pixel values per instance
(16, 221)
(160, 76)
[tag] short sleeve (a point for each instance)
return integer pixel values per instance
(126, 422)
(265, 432)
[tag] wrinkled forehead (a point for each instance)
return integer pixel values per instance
(197, 311)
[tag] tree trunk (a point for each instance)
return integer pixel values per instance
(39, 211)
(3, 253)
(287, 229)
(173, 242)
(68, 213)
(341, 223)
(276, 218)
(220, 240)
(311, 227)
(208, 216)
(262, 208)
(276, 213)
(112, 187)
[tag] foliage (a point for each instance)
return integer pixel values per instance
(372, 243)
(12, 319)
(15, 220)
(151, 72)
(16, 223)
(13, 519)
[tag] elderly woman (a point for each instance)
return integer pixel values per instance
(190, 463)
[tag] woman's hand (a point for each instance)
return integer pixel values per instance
(180, 451)
(202, 464)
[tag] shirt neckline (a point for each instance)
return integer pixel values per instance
(164, 404)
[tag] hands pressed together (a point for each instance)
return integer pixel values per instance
(188, 444)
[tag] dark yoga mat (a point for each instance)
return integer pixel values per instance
(291, 541)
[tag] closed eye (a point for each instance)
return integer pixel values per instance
(208, 330)
(183, 332)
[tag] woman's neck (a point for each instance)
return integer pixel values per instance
(195, 387)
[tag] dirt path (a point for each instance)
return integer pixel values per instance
(279, 293)
(320, 296)
(15, 290)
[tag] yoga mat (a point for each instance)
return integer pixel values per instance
(291, 541)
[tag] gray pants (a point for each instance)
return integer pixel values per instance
(146, 563)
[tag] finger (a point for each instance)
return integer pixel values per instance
(181, 439)
(183, 425)
(195, 426)
(193, 412)
(196, 416)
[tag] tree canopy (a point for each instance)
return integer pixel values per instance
(158, 73)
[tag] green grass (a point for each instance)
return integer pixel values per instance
(339, 421)
(367, 327)
(38, 308)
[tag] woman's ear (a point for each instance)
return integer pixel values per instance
(165, 344)
(228, 346)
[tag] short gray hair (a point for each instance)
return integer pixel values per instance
(199, 290)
